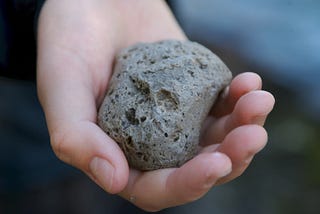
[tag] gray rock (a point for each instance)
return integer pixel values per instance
(158, 97)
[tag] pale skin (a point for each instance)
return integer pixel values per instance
(77, 42)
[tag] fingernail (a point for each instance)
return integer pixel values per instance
(227, 170)
(213, 179)
(103, 171)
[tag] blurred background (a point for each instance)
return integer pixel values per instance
(278, 39)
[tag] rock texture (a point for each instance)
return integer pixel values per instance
(158, 97)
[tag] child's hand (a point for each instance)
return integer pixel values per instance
(77, 42)
(233, 134)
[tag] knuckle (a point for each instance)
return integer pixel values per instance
(59, 141)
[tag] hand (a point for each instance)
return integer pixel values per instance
(232, 135)
(77, 41)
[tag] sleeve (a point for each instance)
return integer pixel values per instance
(18, 30)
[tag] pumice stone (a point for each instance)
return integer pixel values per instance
(157, 100)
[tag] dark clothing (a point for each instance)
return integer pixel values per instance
(18, 21)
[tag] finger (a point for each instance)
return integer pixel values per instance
(74, 64)
(86, 147)
(251, 108)
(240, 145)
(77, 140)
(69, 104)
(240, 85)
(164, 188)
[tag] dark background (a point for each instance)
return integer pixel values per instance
(278, 39)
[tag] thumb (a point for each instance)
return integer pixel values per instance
(68, 97)
(88, 148)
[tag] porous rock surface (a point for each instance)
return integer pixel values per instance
(157, 99)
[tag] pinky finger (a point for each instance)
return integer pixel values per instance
(241, 145)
